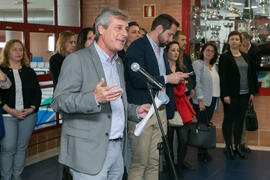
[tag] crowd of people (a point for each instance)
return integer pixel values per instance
(101, 99)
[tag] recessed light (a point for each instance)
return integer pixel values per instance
(236, 3)
(20, 2)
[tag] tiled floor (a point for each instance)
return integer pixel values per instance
(256, 167)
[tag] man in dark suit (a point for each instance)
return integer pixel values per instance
(133, 34)
(255, 56)
(148, 52)
(91, 97)
(252, 50)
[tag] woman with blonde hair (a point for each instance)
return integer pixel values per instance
(65, 45)
(20, 104)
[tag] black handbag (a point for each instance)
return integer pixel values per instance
(202, 135)
(251, 118)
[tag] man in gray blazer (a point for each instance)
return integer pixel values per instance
(91, 97)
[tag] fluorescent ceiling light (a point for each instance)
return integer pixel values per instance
(252, 7)
(242, 4)
(232, 15)
(237, 3)
(21, 2)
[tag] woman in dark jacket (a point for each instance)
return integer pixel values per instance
(183, 109)
(20, 104)
(65, 45)
(237, 88)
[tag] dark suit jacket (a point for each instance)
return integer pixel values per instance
(255, 57)
(192, 79)
(141, 51)
(230, 75)
(265, 48)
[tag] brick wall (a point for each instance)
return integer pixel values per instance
(91, 8)
(44, 141)
(133, 7)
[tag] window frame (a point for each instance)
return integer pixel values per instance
(27, 28)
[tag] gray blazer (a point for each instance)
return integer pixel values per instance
(204, 87)
(86, 126)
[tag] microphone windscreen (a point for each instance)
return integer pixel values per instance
(135, 67)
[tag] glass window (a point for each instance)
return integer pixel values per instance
(41, 12)
(11, 11)
(68, 12)
(8, 35)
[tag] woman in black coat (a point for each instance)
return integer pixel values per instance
(237, 88)
(20, 104)
(65, 45)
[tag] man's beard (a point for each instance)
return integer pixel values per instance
(183, 48)
(161, 42)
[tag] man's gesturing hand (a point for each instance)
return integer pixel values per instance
(104, 94)
(143, 110)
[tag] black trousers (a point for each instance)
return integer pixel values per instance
(234, 114)
(206, 115)
(182, 136)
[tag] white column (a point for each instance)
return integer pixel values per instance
(68, 12)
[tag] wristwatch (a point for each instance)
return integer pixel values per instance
(33, 107)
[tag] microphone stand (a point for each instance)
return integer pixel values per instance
(150, 88)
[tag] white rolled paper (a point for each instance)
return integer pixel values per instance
(140, 126)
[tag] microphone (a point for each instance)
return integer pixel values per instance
(137, 68)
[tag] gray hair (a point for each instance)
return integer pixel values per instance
(103, 18)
